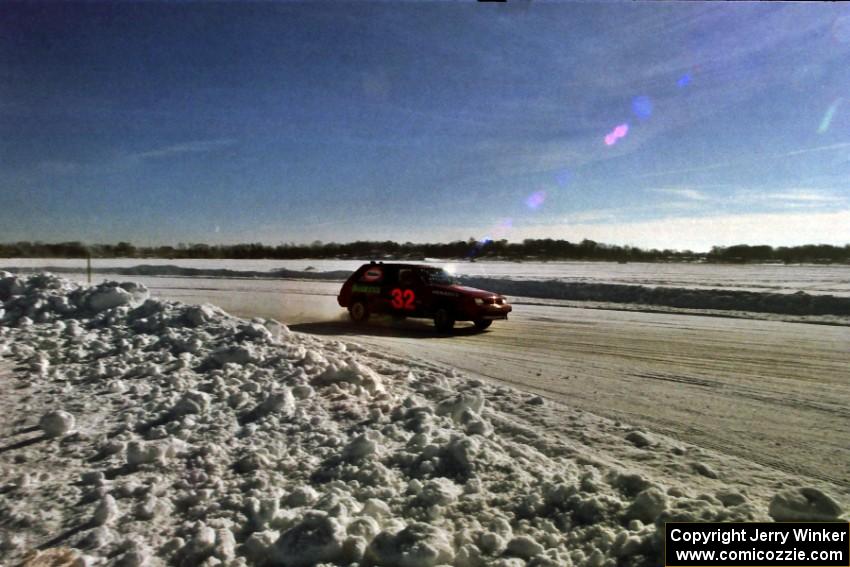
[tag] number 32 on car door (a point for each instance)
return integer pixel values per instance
(403, 299)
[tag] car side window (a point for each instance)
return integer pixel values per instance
(406, 277)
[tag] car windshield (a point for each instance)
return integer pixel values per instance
(439, 277)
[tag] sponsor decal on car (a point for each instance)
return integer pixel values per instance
(372, 275)
(360, 288)
(446, 293)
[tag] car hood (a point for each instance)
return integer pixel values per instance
(467, 291)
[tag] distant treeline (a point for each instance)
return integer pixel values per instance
(530, 249)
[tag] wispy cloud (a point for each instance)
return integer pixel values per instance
(756, 196)
(193, 147)
(123, 161)
(59, 167)
(830, 147)
(795, 197)
(623, 214)
(745, 161)
(697, 219)
(691, 194)
(702, 232)
(805, 196)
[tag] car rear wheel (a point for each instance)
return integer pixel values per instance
(482, 324)
(359, 312)
(444, 321)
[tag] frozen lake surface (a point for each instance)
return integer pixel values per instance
(815, 279)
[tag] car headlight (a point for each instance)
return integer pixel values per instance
(479, 301)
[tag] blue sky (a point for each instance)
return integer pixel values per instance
(655, 124)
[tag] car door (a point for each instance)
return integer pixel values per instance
(406, 295)
(368, 284)
(383, 303)
(425, 298)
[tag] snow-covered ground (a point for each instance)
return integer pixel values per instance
(813, 279)
(139, 431)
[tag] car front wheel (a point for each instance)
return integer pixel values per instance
(359, 312)
(444, 321)
(482, 324)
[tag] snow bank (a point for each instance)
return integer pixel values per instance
(176, 434)
(799, 303)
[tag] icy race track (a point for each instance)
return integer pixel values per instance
(770, 392)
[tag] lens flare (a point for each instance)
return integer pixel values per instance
(684, 80)
(535, 200)
(642, 107)
(617, 133)
(498, 232)
(827, 118)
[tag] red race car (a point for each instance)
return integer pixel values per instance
(412, 290)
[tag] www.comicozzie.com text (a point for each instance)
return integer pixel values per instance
(757, 534)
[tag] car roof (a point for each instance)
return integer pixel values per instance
(402, 265)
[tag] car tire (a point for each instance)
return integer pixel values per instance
(359, 312)
(482, 324)
(444, 320)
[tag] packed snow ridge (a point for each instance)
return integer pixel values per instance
(800, 303)
(147, 432)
